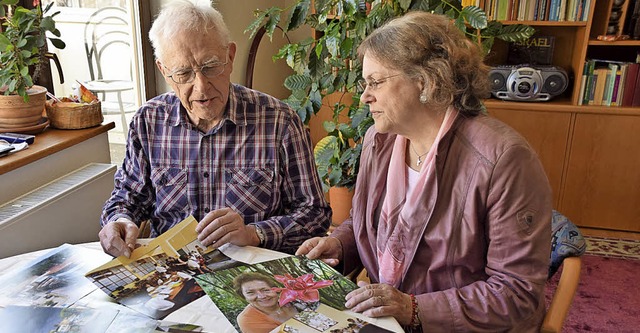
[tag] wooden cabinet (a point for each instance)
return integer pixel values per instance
(591, 153)
(547, 132)
(602, 185)
(591, 156)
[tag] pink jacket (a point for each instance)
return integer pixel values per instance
(480, 261)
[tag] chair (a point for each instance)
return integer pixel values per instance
(563, 296)
(567, 245)
(107, 43)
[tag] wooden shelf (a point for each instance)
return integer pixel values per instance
(548, 23)
(50, 142)
(629, 42)
(561, 105)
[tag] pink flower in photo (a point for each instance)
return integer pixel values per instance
(302, 288)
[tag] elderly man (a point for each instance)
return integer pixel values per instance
(238, 160)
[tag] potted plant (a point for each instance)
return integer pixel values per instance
(326, 64)
(23, 45)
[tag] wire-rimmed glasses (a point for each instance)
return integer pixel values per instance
(209, 69)
(374, 83)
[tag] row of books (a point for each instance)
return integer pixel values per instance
(535, 10)
(610, 83)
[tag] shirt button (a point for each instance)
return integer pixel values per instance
(206, 174)
(206, 210)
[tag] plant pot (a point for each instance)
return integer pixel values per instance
(340, 201)
(15, 113)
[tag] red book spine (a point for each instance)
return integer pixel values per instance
(630, 85)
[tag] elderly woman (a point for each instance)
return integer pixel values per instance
(452, 208)
(263, 313)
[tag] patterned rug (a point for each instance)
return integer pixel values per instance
(614, 248)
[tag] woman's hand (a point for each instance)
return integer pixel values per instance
(118, 238)
(379, 300)
(223, 226)
(328, 249)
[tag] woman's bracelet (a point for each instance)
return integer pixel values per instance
(415, 320)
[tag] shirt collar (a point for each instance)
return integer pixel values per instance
(178, 114)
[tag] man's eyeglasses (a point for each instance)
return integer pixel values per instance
(210, 70)
(373, 84)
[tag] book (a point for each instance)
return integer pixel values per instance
(616, 85)
(620, 85)
(583, 82)
(587, 96)
(630, 84)
(537, 50)
(600, 75)
(308, 294)
(542, 10)
(636, 92)
(609, 84)
(159, 278)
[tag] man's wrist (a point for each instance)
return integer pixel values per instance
(260, 235)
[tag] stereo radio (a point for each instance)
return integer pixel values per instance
(529, 84)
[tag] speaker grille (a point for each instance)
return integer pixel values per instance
(554, 84)
(498, 81)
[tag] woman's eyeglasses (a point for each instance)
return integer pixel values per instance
(373, 84)
(210, 70)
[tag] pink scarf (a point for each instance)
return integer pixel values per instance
(397, 221)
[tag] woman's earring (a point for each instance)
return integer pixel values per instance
(423, 98)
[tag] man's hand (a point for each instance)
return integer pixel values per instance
(329, 249)
(118, 238)
(223, 226)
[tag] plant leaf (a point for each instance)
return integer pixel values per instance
(516, 32)
(58, 43)
(332, 43)
(256, 24)
(404, 4)
(298, 15)
(272, 22)
(476, 17)
(297, 82)
(4, 42)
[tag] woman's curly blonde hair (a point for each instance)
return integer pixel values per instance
(430, 47)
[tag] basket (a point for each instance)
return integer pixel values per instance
(69, 115)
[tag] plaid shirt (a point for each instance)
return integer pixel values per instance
(257, 161)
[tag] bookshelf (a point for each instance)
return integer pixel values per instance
(591, 153)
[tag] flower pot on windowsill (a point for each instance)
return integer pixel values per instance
(15, 113)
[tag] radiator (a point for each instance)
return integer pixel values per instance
(66, 210)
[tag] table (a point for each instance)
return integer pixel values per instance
(203, 311)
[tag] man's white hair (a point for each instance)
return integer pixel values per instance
(197, 16)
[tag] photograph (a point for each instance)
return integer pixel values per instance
(158, 278)
(262, 297)
(54, 279)
(161, 283)
(19, 319)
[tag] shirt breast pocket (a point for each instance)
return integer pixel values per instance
(171, 189)
(249, 191)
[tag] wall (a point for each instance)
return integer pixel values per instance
(268, 76)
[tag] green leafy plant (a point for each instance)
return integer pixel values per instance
(327, 64)
(23, 43)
